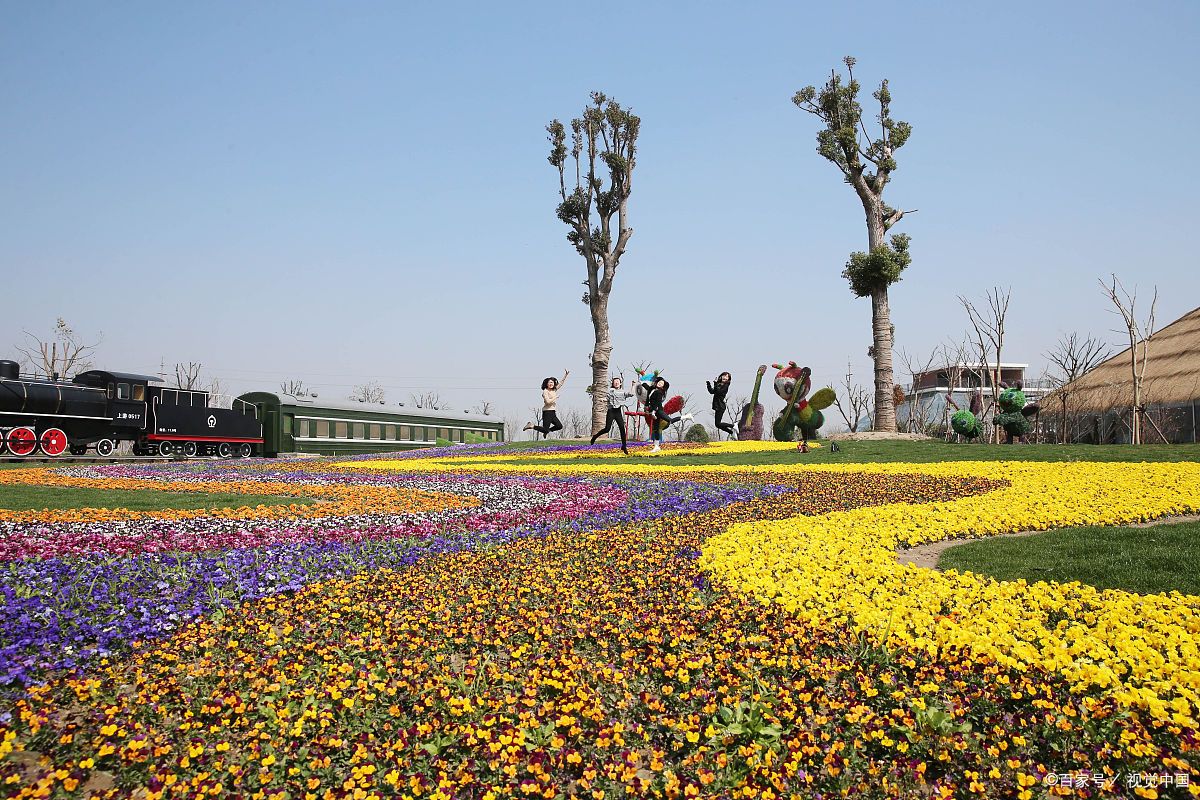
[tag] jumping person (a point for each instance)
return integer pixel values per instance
(616, 413)
(654, 409)
(550, 422)
(718, 389)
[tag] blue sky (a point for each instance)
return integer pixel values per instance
(340, 192)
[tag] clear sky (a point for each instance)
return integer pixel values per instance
(340, 192)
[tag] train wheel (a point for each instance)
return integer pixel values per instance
(225, 450)
(245, 451)
(105, 447)
(189, 449)
(22, 441)
(53, 442)
(166, 449)
(3, 442)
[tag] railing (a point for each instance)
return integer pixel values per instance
(1040, 384)
(191, 397)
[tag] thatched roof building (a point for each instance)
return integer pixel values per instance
(1172, 376)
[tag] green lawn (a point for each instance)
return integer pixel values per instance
(36, 498)
(924, 452)
(1160, 558)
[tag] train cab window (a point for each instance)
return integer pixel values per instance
(122, 391)
(139, 392)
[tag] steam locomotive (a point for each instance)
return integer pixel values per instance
(98, 410)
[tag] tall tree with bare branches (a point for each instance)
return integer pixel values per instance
(988, 324)
(603, 140)
(867, 165)
(1139, 333)
(1072, 357)
(63, 353)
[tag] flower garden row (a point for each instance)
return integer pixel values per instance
(475, 627)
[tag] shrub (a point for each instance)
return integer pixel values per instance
(696, 434)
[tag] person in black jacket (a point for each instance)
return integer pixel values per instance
(654, 407)
(718, 389)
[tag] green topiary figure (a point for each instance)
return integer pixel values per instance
(696, 434)
(966, 424)
(801, 417)
(1014, 413)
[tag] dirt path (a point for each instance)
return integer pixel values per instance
(926, 555)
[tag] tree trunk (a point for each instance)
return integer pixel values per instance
(881, 328)
(1064, 418)
(1135, 427)
(881, 325)
(601, 353)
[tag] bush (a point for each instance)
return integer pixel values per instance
(696, 434)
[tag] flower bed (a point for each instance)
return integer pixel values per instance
(593, 630)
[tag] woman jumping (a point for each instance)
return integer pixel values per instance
(550, 422)
(616, 413)
(654, 409)
(718, 389)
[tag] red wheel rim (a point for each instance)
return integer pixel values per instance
(54, 442)
(22, 441)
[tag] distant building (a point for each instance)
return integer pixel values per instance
(1099, 404)
(937, 393)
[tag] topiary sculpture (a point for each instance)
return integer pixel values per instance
(1014, 413)
(801, 417)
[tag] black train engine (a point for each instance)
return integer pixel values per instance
(101, 409)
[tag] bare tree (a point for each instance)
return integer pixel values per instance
(512, 426)
(988, 324)
(536, 413)
(955, 355)
(858, 401)
(370, 392)
(294, 387)
(216, 394)
(483, 407)
(1139, 333)
(63, 353)
(427, 400)
(1072, 357)
(576, 424)
(187, 376)
(920, 416)
(603, 139)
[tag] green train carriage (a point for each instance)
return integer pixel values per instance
(300, 425)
